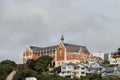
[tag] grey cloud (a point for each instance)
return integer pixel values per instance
(41, 23)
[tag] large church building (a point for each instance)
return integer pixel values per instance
(61, 53)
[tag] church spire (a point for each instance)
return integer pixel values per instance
(62, 38)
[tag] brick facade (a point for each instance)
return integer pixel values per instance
(61, 53)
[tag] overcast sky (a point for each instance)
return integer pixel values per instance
(94, 23)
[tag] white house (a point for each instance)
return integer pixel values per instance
(113, 71)
(114, 61)
(95, 68)
(67, 70)
(73, 70)
(81, 70)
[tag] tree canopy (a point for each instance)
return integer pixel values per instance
(6, 68)
(12, 63)
(40, 65)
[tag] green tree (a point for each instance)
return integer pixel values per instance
(106, 62)
(20, 67)
(26, 72)
(84, 78)
(95, 77)
(53, 77)
(42, 64)
(31, 63)
(45, 60)
(40, 68)
(57, 69)
(6, 67)
(5, 70)
(12, 63)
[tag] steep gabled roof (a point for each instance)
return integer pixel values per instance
(50, 47)
(72, 64)
(35, 48)
(42, 48)
(69, 48)
(75, 48)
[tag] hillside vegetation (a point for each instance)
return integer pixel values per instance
(39, 69)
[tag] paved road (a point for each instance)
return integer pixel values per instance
(10, 76)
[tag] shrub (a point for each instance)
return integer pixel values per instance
(22, 74)
(5, 70)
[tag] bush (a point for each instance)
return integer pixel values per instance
(95, 77)
(5, 70)
(112, 78)
(53, 77)
(20, 67)
(12, 63)
(57, 69)
(22, 74)
(40, 65)
(84, 78)
(106, 62)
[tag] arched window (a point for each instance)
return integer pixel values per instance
(27, 53)
(60, 50)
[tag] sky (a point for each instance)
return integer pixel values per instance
(91, 23)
